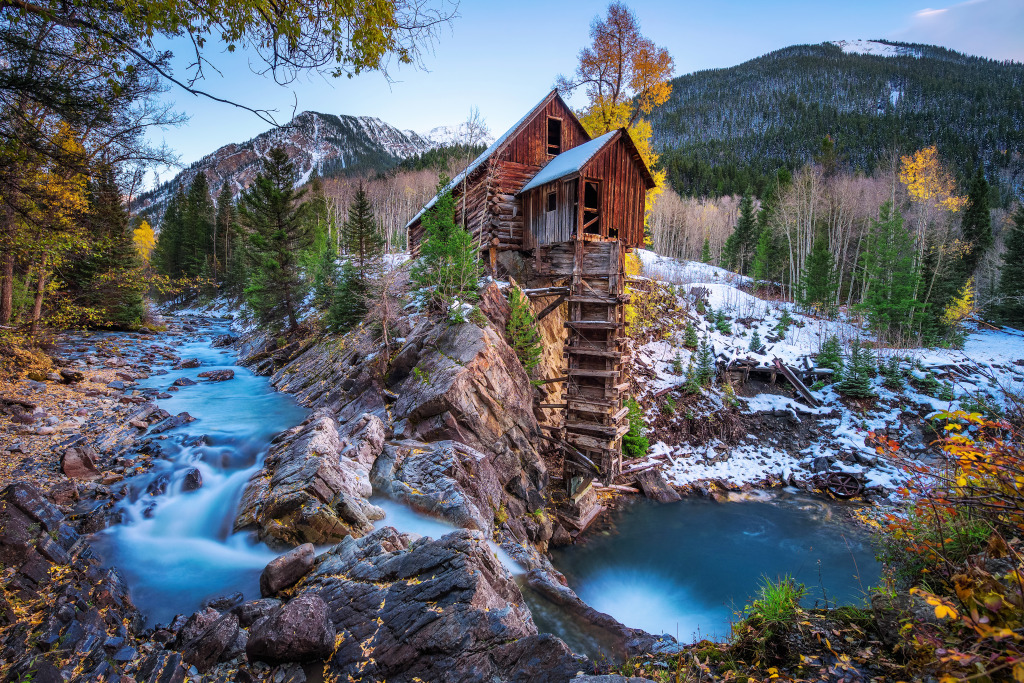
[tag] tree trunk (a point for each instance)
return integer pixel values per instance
(7, 270)
(37, 305)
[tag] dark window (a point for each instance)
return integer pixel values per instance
(591, 208)
(552, 201)
(554, 135)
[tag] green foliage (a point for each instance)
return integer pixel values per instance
(738, 253)
(677, 364)
(856, 382)
(362, 235)
(1010, 308)
(722, 323)
(705, 250)
(522, 331)
(818, 285)
(893, 374)
(705, 370)
(275, 216)
(768, 618)
(669, 406)
(748, 131)
(831, 356)
(347, 306)
(448, 269)
(785, 320)
(755, 343)
(634, 442)
(945, 392)
(690, 339)
(729, 396)
(691, 382)
(980, 403)
(892, 274)
(929, 386)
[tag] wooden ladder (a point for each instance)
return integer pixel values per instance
(597, 382)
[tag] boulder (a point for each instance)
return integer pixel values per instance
(183, 382)
(299, 631)
(208, 647)
(285, 571)
(249, 613)
(222, 341)
(79, 463)
(196, 624)
(217, 375)
(445, 611)
(188, 363)
(193, 480)
(71, 376)
(305, 493)
(171, 423)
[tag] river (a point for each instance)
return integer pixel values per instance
(683, 568)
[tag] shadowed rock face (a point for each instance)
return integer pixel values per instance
(443, 610)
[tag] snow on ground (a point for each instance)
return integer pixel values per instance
(873, 47)
(991, 366)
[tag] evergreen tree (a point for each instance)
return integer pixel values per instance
(691, 384)
(199, 220)
(108, 280)
(522, 331)
(785, 320)
(856, 382)
(893, 374)
(755, 343)
(690, 339)
(892, 275)
(223, 232)
(348, 303)
(274, 214)
(168, 253)
(361, 233)
(705, 372)
(634, 442)
(975, 227)
(739, 247)
(705, 250)
(448, 269)
(831, 356)
(677, 364)
(1011, 275)
(818, 282)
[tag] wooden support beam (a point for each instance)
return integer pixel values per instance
(557, 406)
(593, 324)
(545, 291)
(577, 372)
(584, 351)
(795, 381)
(551, 307)
(553, 379)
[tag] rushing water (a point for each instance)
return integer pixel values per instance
(178, 549)
(686, 568)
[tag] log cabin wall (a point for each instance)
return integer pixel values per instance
(550, 227)
(529, 146)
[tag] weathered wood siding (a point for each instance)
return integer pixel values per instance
(530, 146)
(545, 229)
(622, 192)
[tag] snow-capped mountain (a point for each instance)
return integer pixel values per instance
(329, 143)
(457, 135)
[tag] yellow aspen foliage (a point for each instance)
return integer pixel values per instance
(961, 307)
(927, 181)
(145, 240)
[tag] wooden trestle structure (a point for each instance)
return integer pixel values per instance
(596, 379)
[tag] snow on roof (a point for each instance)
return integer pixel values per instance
(569, 162)
(495, 146)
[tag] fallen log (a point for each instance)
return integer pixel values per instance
(656, 488)
(608, 488)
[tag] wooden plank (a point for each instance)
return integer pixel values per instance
(553, 379)
(546, 291)
(593, 324)
(578, 372)
(584, 351)
(588, 441)
(551, 307)
(655, 487)
(795, 381)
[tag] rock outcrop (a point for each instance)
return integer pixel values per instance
(441, 610)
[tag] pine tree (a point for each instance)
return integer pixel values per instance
(975, 226)
(522, 331)
(739, 247)
(223, 232)
(348, 302)
(818, 282)
(755, 343)
(785, 320)
(448, 269)
(1011, 274)
(274, 214)
(892, 275)
(361, 233)
(705, 250)
(677, 364)
(893, 374)
(705, 363)
(830, 356)
(108, 280)
(325, 275)
(856, 382)
(634, 442)
(691, 384)
(168, 253)
(199, 219)
(690, 339)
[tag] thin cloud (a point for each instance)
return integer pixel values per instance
(988, 28)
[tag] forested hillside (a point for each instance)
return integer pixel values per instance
(724, 129)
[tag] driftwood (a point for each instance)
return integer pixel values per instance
(655, 487)
(607, 488)
(795, 381)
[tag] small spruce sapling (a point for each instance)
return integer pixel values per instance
(785, 320)
(522, 330)
(691, 385)
(690, 339)
(831, 356)
(856, 382)
(722, 323)
(893, 374)
(755, 343)
(677, 364)
(634, 442)
(705, 364)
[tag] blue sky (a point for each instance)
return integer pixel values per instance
(503, 57)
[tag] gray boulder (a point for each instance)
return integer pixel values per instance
(285, 571)
(299, 631)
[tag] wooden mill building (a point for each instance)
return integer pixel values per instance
(577, 205)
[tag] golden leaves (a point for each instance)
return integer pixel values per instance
(927, 181)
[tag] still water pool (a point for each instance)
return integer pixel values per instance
(686, 568)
